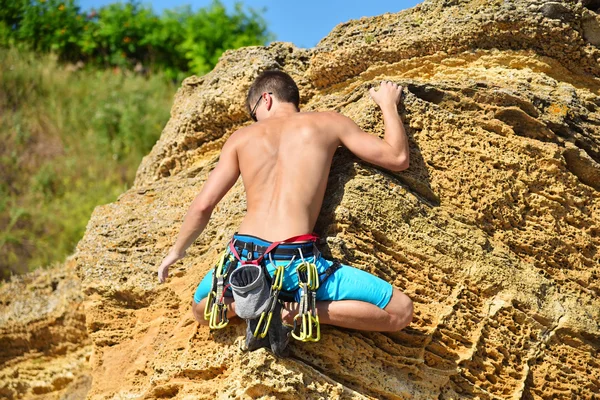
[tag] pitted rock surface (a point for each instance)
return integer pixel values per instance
(44, 345)
(492, 231)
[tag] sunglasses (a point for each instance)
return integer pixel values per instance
(253, 112)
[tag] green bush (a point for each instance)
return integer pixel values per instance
(129, 35)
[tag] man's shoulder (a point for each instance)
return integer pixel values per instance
(245, 131)
(239, 136)
(328, 116)
(327, 125)
(323, 114)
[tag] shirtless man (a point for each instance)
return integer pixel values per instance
(284, 159)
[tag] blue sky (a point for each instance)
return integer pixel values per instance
(303, 23)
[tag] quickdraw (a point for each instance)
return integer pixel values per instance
(262, 328)
(215, 310)
(306, 324)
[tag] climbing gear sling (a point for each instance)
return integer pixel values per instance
(262, 328)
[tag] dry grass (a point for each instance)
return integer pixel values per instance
(69, 140)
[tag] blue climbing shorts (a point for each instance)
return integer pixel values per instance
(346, 283)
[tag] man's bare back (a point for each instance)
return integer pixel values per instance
(284, 164)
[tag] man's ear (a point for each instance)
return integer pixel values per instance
(269, 99)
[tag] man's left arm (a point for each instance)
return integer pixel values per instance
(220, 180)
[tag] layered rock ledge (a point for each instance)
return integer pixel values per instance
(44, 345)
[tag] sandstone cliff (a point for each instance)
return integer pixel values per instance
(492, 231)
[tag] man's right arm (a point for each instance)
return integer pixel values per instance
(220, 180)
(390, 153)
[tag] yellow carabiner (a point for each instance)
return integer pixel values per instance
(314, 320)
(301, 333)
(219, 267)
(308, 329)
(210, 300)
(213, 317)
(278, 278)
(266, 328)
(218, 318)
(313, 276)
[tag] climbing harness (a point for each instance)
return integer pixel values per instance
(215, 310)
(264, 322)
(306, 323)
(310, 237)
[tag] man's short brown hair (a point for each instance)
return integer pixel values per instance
(277, 82)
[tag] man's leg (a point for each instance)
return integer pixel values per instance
(347, 282)
(361, 315)
(351, 314)
(356, 299)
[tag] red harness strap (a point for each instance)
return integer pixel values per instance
(307, 237)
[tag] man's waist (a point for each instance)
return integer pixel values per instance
(246, 243)
(275, 225)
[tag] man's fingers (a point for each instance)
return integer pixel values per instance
(386, 90)
(163, 269)
(163, 274)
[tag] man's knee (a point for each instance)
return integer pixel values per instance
(198, 312)
(401, 310)
(406, 316)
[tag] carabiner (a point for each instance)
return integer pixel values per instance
(302, 333)
(219, 268)
(312, 273)
(265, 330)
(313, 322)
(313, 276)
(218, 317)
(278, 278)
(210, 301)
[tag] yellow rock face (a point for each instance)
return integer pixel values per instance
(44, 345)
(492, 231)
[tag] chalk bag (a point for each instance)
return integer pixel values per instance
(251, 291)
